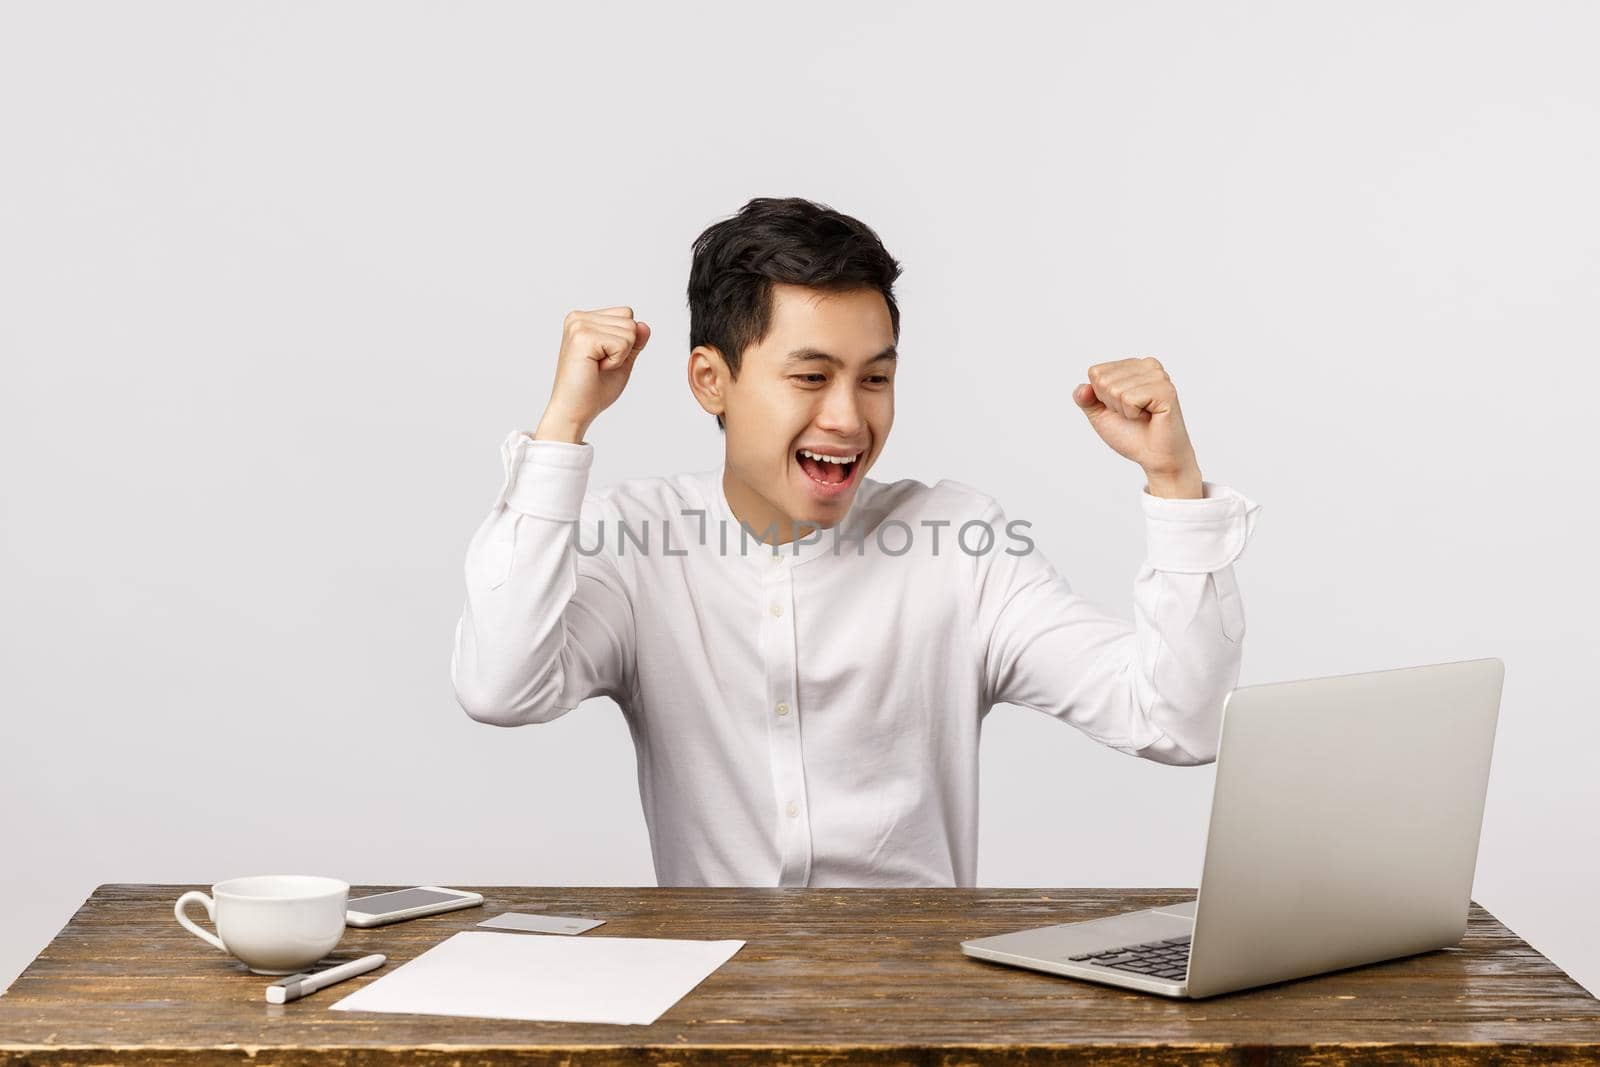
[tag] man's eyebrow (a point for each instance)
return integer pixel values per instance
(810, 355)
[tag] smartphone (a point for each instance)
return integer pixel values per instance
(384, 908)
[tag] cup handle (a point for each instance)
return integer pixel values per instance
(194, 897)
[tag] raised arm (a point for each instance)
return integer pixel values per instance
(545, 627)
(1155, 687)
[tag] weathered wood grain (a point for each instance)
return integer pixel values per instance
(827, 976)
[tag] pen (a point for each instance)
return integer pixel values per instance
(298, 985)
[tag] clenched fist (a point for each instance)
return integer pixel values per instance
(597, 353)
(1133, 406)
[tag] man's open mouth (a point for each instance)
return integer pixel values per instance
(827, 469)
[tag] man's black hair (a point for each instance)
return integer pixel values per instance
(772, 239)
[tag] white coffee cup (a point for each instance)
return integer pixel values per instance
(274, 923)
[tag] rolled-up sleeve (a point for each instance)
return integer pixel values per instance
(1153, 688)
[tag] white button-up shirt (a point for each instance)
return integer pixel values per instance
(809, 714)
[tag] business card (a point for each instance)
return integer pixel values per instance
(541, 924)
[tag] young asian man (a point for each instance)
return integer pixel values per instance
(804, 655)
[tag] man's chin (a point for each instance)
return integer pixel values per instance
(824, 513)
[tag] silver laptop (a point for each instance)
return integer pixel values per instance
(1344, 830)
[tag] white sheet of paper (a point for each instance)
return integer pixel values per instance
(545, 977)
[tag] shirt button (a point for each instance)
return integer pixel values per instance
(793, 809)
(777, 610)
(775, 558)
(783, 709)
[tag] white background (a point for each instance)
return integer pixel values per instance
(275, 281)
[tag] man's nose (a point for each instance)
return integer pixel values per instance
(841, 413)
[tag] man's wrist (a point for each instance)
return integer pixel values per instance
(1185, 485)
(555, 426)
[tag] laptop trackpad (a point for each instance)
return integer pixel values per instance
(1136, 927)
(1185, 910)
(1090, 935)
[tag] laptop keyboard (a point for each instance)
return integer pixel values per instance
(1167, 959)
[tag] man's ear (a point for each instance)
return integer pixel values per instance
(708, 378)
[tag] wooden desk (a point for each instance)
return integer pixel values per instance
(826, 976)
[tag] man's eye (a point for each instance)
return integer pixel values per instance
(812, 377)
(877, 378)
